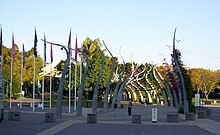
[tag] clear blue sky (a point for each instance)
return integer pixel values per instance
(142, 27)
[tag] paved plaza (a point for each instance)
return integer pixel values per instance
(108, 123)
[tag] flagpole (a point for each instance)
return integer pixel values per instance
(76, 49)
(51, 61)
(75, 87)
(70, 82)
(69, 47)
(50, 81)
(21, 78)
(12, 58)
(43, 72)
(34, 84)
(11, 80)
(81, 65)
(43, 88)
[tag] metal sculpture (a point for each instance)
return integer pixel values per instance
(167, 86)
(118, 83)
(79, 103)
(179, 72)
(95, 95)
(119, 95)
(61, 84)
(109, 80)
(160, 85)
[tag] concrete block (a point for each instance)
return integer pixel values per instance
(172, 117)
(208, 112)
(49, 117)
(14, 115)
(190, 116)
(202, 114)
(136, 119)
(91, 118)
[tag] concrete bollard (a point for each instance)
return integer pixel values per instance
(202, 114)
(91, 118)
(49, 117)
(190, 116)
(208, 112)
(136, 119)
(172, 117)
(14, 115)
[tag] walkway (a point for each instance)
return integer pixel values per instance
(109, 124)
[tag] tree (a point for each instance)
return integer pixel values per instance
(27, 71)
(205, 80)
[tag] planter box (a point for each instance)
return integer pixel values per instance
(136, 119)
(202, 114)
(190, 116)
(14, 115)
(208, 112)
(91, 118)
(172, 117)
(49, 117)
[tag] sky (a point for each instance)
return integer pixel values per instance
(143, 29)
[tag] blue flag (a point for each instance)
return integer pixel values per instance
(35, 43)
(23, 55)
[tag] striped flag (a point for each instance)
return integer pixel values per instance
(76, 50)
(1, 42)
(23, 55)
(45, 48)
(13, 47)
(51, 54)
(35, 43)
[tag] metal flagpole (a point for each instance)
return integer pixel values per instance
(50, 82)
(11, 81)
(75, 87)
(34, 84)
(70, 82)
(43, 72)
(81, 64)
(43, 88)
(51, 61)
(21, 78)
(69, 49)
(75, 73)
(12, 58)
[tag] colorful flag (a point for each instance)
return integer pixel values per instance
(51, 54)
(1, 43)
(13, 47)
(23, 55)
(76, 50)
(69, 42)
(45, 48)
(35, 43)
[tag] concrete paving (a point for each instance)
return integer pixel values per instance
(108, 123)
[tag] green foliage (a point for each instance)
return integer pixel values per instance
(28, 69)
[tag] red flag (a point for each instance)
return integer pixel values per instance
(13, 47)
(51, 54)
(69, 42)
(76, 50)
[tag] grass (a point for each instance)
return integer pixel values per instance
(85, 103)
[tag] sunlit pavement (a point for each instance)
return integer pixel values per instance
(109, 124)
